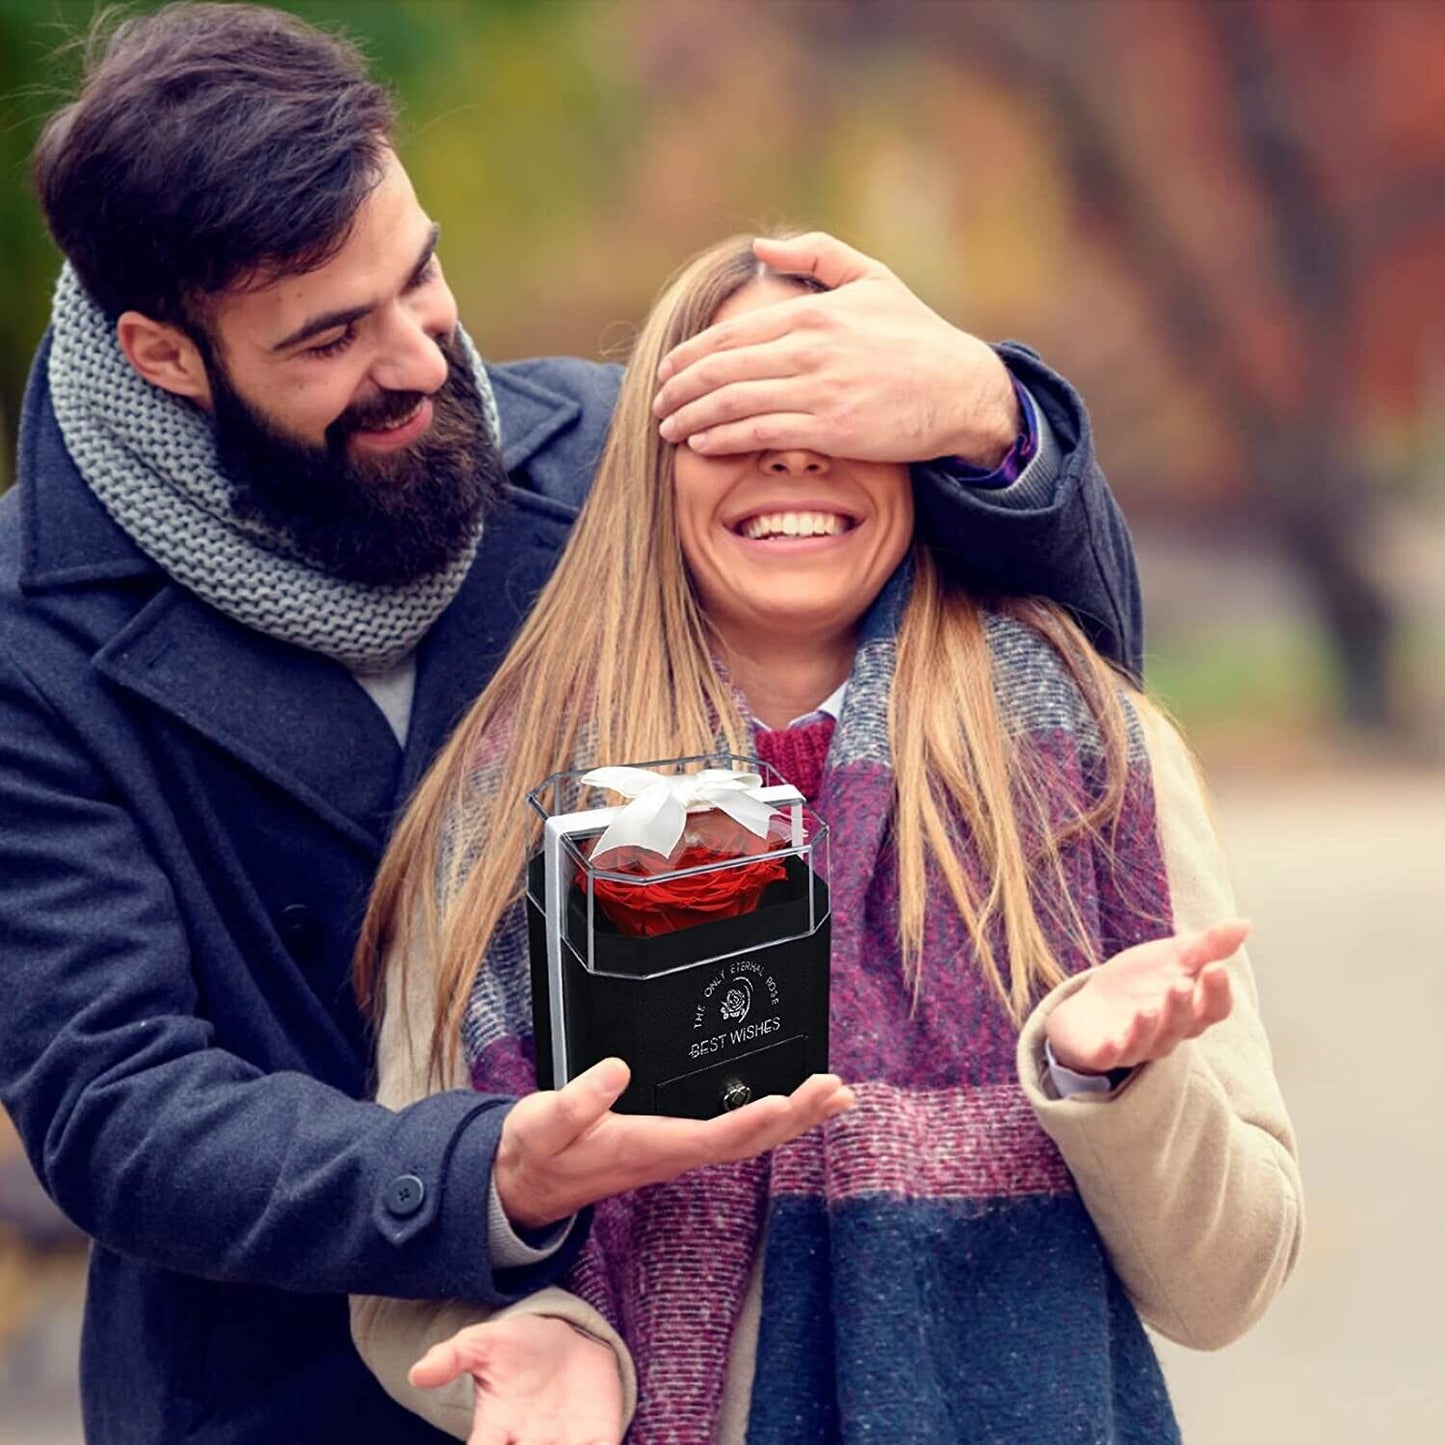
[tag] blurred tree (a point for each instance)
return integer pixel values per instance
(433, 53)
(27, 264)
(1301, 195)
(1223, 219)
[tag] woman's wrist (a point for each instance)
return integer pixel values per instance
(1061, 1054)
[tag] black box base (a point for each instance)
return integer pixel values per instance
(700, 1038)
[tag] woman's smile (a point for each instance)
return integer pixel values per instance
(792, 523)
(788, 543)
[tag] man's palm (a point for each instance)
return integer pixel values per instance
(564, 1148)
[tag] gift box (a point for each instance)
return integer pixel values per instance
(678, 919)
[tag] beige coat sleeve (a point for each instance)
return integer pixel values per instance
(1190, 1169)
(391, 1335)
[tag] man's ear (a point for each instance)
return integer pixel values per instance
(164, 356)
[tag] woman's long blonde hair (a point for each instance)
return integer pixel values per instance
(617, 645)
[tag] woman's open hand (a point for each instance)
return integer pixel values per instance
(1143, 1002)
(539, 1382)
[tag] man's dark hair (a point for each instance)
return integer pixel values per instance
(211, 145)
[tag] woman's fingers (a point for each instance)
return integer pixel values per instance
(1176, 1012)
(439, 1366)
(1188, 1007)
(1213, 996)
(464, 1352)
(1143, 1002)
(1213, 944)
(539, 1382)
(1140, 1039)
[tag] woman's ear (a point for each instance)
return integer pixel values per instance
(164, 356)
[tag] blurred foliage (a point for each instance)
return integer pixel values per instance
(1225, 223)
(577, 150)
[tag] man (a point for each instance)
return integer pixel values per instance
(274, 526)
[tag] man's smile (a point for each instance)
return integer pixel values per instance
(400, 433)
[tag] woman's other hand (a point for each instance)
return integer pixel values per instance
(1143, 1002)
(538, 1380)
(564, 1148)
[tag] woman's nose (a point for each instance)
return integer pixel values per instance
(795, 462)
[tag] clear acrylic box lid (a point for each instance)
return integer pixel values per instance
(580, 899)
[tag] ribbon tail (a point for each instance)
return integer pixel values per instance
(654, 820)
(630, 782)
(732, 779)
(754, 814)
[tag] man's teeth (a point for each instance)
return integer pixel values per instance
(793, 524)
(401, 421)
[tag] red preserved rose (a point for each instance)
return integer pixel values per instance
(649, 909)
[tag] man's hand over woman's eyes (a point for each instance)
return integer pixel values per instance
(864, 370)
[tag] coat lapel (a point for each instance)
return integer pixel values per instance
(293, 716)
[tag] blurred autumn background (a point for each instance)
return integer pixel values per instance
(1225, 223)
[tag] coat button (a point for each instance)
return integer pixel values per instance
(404, 1195)
(300, 929)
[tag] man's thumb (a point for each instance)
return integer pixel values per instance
(818, 254)
(558, 1119)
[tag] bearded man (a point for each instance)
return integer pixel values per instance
(275, 524)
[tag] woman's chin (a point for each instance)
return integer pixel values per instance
(774, 623)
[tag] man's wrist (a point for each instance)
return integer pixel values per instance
(509, 1186)
(995, 424)
(1012, 456)
(514, 1245)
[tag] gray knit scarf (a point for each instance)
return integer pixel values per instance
(150, 459)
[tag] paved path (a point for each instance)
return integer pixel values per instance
(1344, 883)
(1346, 887)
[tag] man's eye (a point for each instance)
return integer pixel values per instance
(426, 274)
(333, 348)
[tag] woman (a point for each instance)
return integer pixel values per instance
(1066, 1116)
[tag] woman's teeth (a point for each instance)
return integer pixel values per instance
(793, 524)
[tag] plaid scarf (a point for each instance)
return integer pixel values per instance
(929, 1271)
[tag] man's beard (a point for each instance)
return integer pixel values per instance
(384, 518)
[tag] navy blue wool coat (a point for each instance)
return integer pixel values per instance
(191, 814)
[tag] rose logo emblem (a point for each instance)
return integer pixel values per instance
(736, 1002)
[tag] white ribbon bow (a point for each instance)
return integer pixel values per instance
(657, 815)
